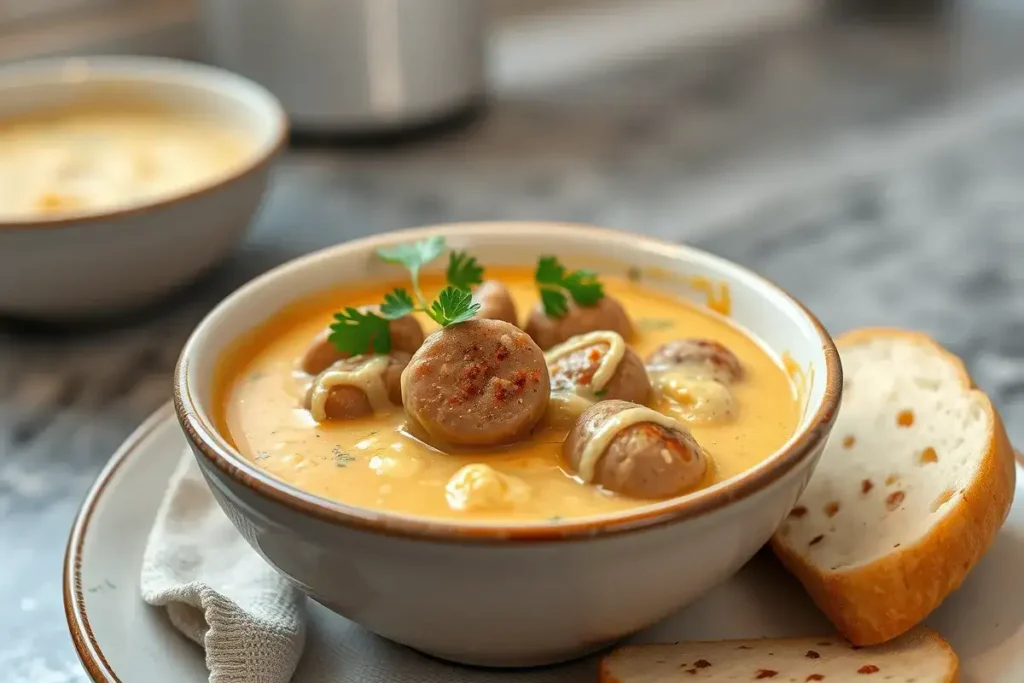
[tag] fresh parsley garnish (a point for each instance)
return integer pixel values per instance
(463, 270)
(585, 288)
(555, 302)
(453, 306)
(414, 255)
(556, 286)
(549, 271)
(396, 304)
(354, 332)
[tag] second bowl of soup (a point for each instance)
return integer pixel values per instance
(507, 444)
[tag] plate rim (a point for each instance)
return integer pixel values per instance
(89, 652)
(86, 646)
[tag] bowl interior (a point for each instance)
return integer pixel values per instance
(176, 87)
(766, 312)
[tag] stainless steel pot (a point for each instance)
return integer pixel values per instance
(354, 66)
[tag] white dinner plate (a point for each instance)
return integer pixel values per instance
(121, 639)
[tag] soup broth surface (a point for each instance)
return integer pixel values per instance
(374, 463)
(96, 158)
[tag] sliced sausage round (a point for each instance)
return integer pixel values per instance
(606, 314)
(406, 335)
(495, 302)
(599, 366)
(705, 357)
(634, 451)
(373, 379)
(477, 383)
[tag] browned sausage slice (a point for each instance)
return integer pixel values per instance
(635, 451)
(598, 365)
(357, 387)
(707, 358)
(495, 302)
(406, 336)
(606, 314)
(478, 383)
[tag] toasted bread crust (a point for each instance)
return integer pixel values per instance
(873, 603)
(605, 674)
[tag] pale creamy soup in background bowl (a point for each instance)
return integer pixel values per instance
(537, 582)
(124, 178)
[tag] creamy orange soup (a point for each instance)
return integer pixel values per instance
(88, 159)
(373, 463)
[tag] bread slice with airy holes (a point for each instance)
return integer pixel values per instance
(920, 656)
(912, 487)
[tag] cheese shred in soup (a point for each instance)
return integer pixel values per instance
(377, 463)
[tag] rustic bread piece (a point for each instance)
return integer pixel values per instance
(913, 485)
(920, 656)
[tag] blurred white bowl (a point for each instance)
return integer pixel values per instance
(98, 264)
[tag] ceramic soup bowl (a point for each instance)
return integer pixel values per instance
(96, 264)
(513, 594)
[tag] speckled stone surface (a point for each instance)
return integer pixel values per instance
(877, 177)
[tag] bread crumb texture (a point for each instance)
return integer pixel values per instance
(905, 399)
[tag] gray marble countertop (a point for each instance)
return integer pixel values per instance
(875, 174)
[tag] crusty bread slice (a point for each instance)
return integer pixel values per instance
(913, 485)
(921, 656)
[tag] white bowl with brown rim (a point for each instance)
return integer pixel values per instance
(528, 593)
(59, 261)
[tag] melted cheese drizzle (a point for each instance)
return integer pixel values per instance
(369, 377)
(599, 442)
(606, 367)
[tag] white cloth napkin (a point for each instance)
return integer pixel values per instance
(253, 625)
(217, 591)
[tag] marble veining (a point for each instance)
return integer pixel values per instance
(690, 148)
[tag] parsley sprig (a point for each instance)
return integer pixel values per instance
(413, 256)
(354, 332)
(453, 305)
(556, 285)
(357, 332)
(463, 271)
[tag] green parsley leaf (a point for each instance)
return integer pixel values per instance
(355, 332)
(463, 270)
(584, 287)
(555, 302)
(396, 304)
(415, 254)
(553, 282)
(549, 271)
(453, 306)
